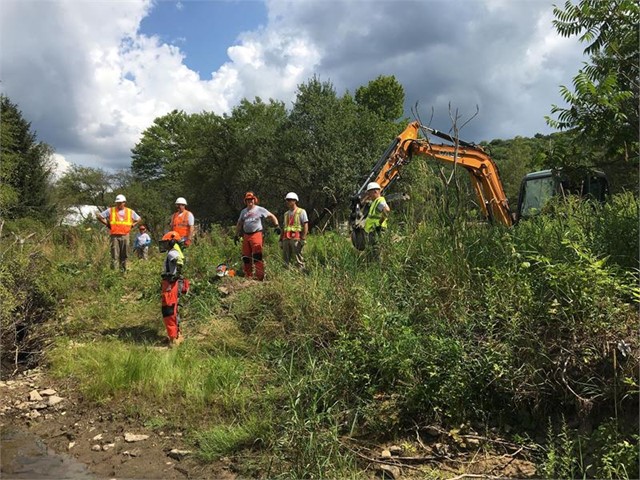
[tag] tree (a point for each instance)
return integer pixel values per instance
(86, 186)
(604, 106)
(330, 143)
(26, 169)
(384, 96)
(161, 147)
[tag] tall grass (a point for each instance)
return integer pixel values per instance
(456, 322)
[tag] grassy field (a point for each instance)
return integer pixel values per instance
(530, 332)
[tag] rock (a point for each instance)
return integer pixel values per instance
(48, 392)
(71, 445)
(97, 437)
(34, 396)
(223, 290)
(108, 446)
(472, 442)
(131, 437)
(96, 448)
(389, 471)
(385, 454)
(33, 414)
(395, 450)
(179, 454)
(431, 430)
(133, 453)
(54, 400)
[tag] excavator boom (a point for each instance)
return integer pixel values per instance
(482, 170)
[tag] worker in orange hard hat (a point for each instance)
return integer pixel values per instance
(250, 229)
(119, 220)
(173, 285)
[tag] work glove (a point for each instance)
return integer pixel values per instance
(378, 229)
(236, 239)
(278, 230)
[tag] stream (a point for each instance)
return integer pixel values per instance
(25, 456)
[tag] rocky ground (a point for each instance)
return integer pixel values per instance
(109, 444)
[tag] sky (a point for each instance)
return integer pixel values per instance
(92, 75)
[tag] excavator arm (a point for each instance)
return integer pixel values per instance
(482, 170)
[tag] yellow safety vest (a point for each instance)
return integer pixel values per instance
(373, 218)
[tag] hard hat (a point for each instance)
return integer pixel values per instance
(120, 198)
(373, 186)
(172, 235)
(181, 201)
(249, 195)
(291, 196)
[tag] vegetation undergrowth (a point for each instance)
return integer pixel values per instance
(532, 328)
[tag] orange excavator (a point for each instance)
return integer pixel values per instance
(482, 170)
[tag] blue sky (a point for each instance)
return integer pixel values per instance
(203, 29)
(92, 75)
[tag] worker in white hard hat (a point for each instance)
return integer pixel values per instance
(119, 220)
(183, 222)
(295, 228)
(376, 221)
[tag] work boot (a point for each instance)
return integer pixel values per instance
(171, 342)
(178, 340)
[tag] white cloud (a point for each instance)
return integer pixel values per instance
(59, 165)
(90, 83)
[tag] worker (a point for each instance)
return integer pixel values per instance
(182, 221)
(295, 228)
(376, 221)
(119, 220)
(142, 242)
(250, 229)
(173, 285)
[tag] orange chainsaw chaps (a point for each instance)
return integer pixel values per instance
(170, 307)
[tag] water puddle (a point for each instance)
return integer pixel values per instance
(25, 456)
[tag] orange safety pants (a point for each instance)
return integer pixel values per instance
(171, 291)
(252, 255)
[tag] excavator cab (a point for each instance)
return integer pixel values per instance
(538, 188)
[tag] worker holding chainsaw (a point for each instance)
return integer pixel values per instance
(376, 221)
(250, 229)
(173, 285)
(182, 221)
(119, 220)
(295, 229)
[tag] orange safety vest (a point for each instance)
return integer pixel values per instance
(180, 223)
(118, 226)
(292, 225)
